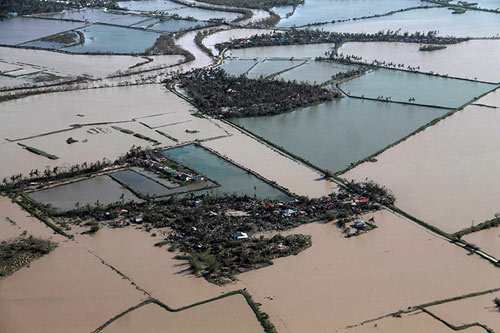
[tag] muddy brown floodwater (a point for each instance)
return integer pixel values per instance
(67, 290)
(447, 174)
(231, 314)
(14, 221)
(152, 268)
(344, 281)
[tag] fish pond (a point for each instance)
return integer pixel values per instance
(315, 72)
(270, 67)
(149, 184)
(313, 11)
(98, 15)
(423, 89)
(286, 51)
(335, 134)
(103, 39)
(233, 180)
(175, 25)
(24, 29)
(100, 189)
(473, 23)
(237, 67)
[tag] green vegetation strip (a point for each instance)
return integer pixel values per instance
(39, 152)
(425, 305)
(493, 223)
(42, 218)
(458, 328)
(262, 317)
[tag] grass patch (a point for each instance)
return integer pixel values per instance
(39, 152)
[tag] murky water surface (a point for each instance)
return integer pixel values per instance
(345, 130)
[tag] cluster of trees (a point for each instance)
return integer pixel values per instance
(21, 251)
(27, 7)
(259, 4)
(204, 229)
(216, 93)
(307, 36)
(165, 44)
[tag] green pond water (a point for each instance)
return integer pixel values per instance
(23, 29)
(98, 15)
(236, 67)
(334, 134)
(103, 38)
(315, 72)
(470, 24)
(233, 180)
(140, 183)
(268, 67)
(100, 189)
(328, 10)
(174, 25)
(426, 89)
(285, 51)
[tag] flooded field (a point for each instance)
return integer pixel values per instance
(456, 60)
(78, 64)
(67, 290)
(14, 221)
(174, 25)
(403, 86)
(97, 190)
(470, 24)
(429, 172)
(179, 9)
(219, 316)
(149, 5)
(23, 29)
(103, 38)
(98, 15)
(289, 173)
(288, 51)
(232, 179)
(471, 310)
(487, 240)
(315, 72)
(344, 281)
(85, 107)
(166, 278)
(408, 323)
(313, 11)
(346, 130)
(270, 67)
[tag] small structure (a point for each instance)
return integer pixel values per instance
(359, 225)
(241, 235)
(137, 220)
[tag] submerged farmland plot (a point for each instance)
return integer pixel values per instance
(313, 11)
(103, 38)
(335, 134)
(24, 29)
(233, 180)
(100, 189)
(401, 86)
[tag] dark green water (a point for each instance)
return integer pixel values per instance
(426, 89)
(334, 134)
(140, 183)
(233, 180)
(100, 189)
